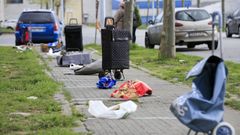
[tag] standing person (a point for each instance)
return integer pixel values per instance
(119, 16)
(136, 22)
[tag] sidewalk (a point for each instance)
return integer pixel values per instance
(152, 116)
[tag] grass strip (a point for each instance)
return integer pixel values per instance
(21, 76)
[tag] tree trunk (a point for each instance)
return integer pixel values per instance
(223, 14)
(157, 7)
(47, 6)
(128, 17)
(57, 4)
(148, 12)
(167, 47)
(198, 3)
(96, 25)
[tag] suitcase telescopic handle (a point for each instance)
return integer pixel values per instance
(71, 20)
(215, 23)
(109, 22)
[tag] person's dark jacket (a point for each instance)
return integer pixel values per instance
(136, 18)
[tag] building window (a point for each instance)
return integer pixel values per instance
(14, 1)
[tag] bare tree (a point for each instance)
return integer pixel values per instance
(57, 4)
(157, 7)
(128, 17)
(42, 3)
(223, 14)
(167, 46)
(97, 24)
(198, 3)
(148, 11)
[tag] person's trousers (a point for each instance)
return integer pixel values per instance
(134, 34)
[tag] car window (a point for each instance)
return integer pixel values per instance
(158, 19)
(192, 15)
(36, 17)
(238, 14)
(235, 13)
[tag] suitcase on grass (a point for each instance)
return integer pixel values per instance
(73, 36)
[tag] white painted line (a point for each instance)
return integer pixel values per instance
(153, 118)
(86, 99)
(145, 118)
(71, 87)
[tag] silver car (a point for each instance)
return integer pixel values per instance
(193, 26)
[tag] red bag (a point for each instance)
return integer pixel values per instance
(132, 89)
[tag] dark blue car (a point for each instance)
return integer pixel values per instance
(43, 25)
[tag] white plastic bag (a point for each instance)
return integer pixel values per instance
(75, 66)
(99, 110)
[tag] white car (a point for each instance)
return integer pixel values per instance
(9, 24)
(193, 26)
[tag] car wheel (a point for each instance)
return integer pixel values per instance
(10, 28)
(147, 42)
(215, 45)
(228, 34)
(239, 31)
(190, 46)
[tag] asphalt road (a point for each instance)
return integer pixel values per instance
(231, 46)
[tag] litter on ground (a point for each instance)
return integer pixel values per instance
(122, 110)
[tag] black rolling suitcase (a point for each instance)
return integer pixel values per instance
(115, 49)
(73, 36)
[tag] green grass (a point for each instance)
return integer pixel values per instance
(5, 30)
(143, 26)
(22, 76)
(175, 70)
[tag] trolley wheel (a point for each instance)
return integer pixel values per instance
(29, 44)
(117, 75)
(224, 128)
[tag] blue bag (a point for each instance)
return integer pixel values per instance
(106, 82)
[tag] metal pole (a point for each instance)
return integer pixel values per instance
(152, 9)
(97, 4)
(220, 25)
(213, 35)
(2, 10)
(102, 12)
(220, 31)
(62, 9)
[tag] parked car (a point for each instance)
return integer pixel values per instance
(44, 25)
(9, 24)
(233, 24)
(193, 26)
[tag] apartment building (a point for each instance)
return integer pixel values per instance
(11, 9)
